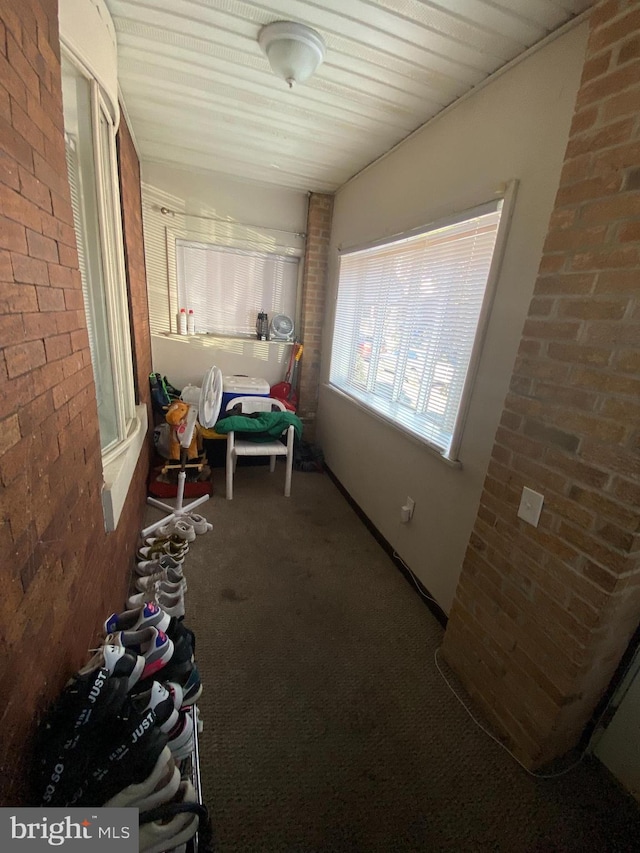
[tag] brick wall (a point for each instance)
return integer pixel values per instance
(61, 574)
(314, 288)
(542, 615)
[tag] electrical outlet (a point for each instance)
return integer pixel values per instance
(530, 506)
(411, 505)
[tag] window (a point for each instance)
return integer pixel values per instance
(227, 287)
(95, 198)
(407, 321)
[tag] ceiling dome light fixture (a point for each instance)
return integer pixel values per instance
(294, 50)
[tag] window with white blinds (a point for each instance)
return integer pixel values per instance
(407, 319)
(95, 202)
(227, 287)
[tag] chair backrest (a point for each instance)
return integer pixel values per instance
(255, 404)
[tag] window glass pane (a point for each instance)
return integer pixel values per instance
(226, 288)
(406, 321)
(76, 91)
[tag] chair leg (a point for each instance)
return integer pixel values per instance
(231, 461)
(287, 482)
(272, 464)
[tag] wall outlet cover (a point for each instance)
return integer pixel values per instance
(530, 506)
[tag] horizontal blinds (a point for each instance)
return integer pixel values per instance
(227, 287)
(406, 319)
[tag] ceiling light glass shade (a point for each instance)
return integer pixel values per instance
(294, 51)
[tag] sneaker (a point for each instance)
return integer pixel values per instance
(174, 539)
(65, 739)
(172, 824)
(171, 581)
(160, 548)
(166, 790)
(154, 645)
(171, 603)
(165, 700)
(198, 522)
(159, 564)
(151, 589)
(181, 669)
(180, 527)
(160, 776)
(126, 752)
(118, 662)
(147, 614)
(181, 737)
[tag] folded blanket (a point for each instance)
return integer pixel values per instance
(259, 426)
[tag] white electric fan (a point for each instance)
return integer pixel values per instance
(206, 409)
(282, 328)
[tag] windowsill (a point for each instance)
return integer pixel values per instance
(118, 472)
(209, 336)
(424, 445)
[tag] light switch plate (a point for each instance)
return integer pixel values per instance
(530, 506)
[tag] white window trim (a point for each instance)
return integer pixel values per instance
(205, 233)
(118, 472)
(119, 461)
(508, 196)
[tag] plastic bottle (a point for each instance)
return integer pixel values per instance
(182, 322)
(191, 322)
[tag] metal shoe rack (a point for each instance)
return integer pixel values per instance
(194, 774)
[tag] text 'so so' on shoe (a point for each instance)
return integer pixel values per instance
(154, 646)
(149, 615)
(66, 739)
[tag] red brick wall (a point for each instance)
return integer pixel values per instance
(314, 289)
(543, 615)
(61, 573)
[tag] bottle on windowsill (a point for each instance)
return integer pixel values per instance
(182, 322)
(191, 322)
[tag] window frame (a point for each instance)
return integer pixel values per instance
(119, 457)
(450, 455)
(284, 254)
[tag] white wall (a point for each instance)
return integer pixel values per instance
(242, 204)
(515, 127)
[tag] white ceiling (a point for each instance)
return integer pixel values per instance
(200, 93)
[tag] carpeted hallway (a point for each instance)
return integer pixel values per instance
(327, 725)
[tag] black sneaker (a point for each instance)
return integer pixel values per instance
(128, 750)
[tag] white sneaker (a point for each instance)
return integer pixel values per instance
(199, 523)
(151, 592)
(166, 834)
(172, 580)
(181, 527)
(172, 604)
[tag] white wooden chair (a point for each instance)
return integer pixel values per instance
(241, 447)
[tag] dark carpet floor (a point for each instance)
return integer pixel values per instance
(327, 724)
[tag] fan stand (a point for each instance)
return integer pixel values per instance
(208, 409)
(178, 510)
